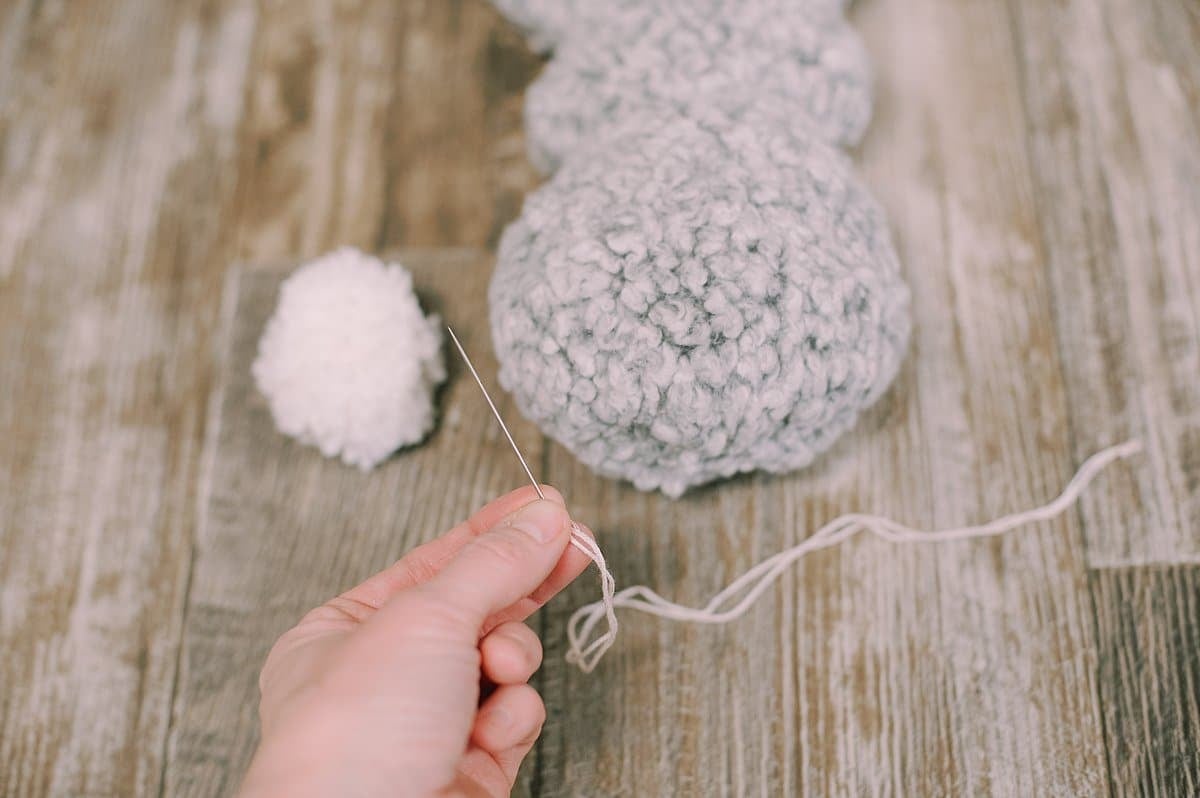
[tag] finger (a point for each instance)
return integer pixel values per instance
(510, 653)
(496, 511)
(479, 774)
(425, 561)
(570, 565)
(504, 564)
(509, 722)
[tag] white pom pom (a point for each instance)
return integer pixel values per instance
(348, 362)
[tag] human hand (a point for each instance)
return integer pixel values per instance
(414, 683)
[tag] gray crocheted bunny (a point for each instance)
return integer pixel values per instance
(703, 287)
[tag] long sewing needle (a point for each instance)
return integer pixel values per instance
(495, 412)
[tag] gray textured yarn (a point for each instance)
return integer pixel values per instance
(703, 287)
(547, 23)
(699, 54)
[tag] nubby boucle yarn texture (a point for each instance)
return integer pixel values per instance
(349, 362)
(703, 287)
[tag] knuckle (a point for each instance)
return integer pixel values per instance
(350, 609)
(418, 568)
(437, 610)
(502, 548)
(518, 636)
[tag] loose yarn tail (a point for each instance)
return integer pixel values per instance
(586, 656)
(725, 606)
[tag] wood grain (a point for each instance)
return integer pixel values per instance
(1111, 92)
(107, 304)
(382, 123)
(1041, 167)
(1148, 622)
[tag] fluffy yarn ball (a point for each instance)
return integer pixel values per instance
(348, 362)
(686, 303)
(703, 287)
(668, 55)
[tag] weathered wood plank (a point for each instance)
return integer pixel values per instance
(1112, 92)
(115, 126)
(1149, 636)
(378, 124)
(283, 529)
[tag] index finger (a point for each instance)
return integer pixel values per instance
(570, 565)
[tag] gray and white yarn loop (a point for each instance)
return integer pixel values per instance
(703, 287)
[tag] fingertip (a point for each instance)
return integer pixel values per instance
(552, 493)
(543, 520)
(498, 509)
(512, 716)
(511, 653)
(508, 562)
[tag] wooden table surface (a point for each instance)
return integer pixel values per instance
(163, 164)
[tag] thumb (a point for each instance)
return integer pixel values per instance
(506, 563)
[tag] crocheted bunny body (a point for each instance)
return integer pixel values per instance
(703, 287)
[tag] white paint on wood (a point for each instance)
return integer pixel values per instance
(1041, 165)
(1116, 162)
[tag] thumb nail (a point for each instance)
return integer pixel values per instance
(541, 520)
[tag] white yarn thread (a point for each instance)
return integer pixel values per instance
(722, 608)
(586, 656)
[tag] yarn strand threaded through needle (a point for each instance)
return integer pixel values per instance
(739, 595)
